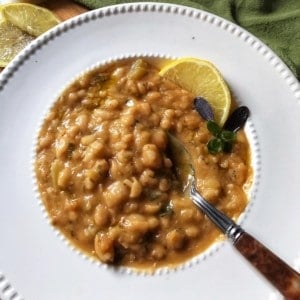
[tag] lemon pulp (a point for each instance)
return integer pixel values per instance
(201, 78)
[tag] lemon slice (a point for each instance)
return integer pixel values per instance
(201, 78)
(12, 41)
(30, 18)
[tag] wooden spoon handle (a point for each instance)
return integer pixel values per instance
(281, 275)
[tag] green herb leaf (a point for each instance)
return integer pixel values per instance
(101, 77)
(214, 128)
(215, 146)
(153, 194)
(167, 210)
(227, 136)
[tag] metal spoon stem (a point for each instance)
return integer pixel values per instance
(275, 270)
(225, 224)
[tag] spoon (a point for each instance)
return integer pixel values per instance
(275, 270)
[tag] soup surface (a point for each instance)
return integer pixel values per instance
(107, 179)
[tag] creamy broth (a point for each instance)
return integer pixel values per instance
(107, 180)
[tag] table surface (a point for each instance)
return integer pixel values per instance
(64, 9)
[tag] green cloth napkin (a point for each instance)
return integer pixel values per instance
(275, 22)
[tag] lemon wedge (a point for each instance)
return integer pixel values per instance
(201, 78)
(12, 41)
(30, 18)
(20, 23)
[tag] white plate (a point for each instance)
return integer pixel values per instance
(35, 263)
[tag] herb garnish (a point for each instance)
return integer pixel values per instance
(203, 108)
(225, 137)
(167, 210)
(237, 119)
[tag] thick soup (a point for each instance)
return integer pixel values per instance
(107, 179)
